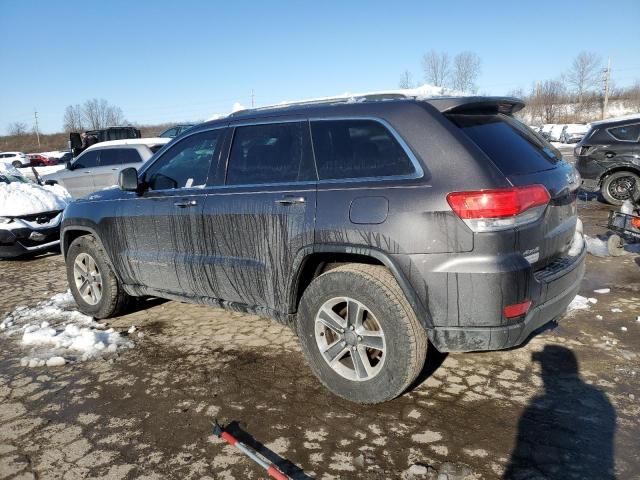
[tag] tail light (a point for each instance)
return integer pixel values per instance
(501, 209)
(517, 310)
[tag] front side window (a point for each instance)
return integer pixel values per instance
(270, 153)
(119, 156)
(626, 133)
(357, 149)
(87, 160)
(186, 164)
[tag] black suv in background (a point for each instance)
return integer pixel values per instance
(608, 159)
(370, 227)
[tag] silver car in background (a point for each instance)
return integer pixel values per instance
(98, 166)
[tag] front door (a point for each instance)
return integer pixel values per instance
(262, 216)
(166, 250)
(79, 180)
(112, 160)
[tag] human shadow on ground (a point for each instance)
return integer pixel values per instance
(568, 431)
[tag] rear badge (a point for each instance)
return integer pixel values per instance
(533, 255)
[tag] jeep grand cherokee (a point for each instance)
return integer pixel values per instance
(370, 227)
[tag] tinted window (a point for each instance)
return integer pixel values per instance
(184, 165)
(87, 160)
(170, 133)
(273, 153)
(118, 156)
(629, 133)
(356, 149)
(508, 143)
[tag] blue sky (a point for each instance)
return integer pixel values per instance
(186, 60)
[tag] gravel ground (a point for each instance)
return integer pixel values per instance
(565, 405)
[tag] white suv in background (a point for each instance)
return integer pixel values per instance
(99, 165)
(17, 159)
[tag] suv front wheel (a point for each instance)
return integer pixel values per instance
(359, 334)
(94, 286)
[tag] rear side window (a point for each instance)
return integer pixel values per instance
(509, 144)
(357, 149)
(87, 160)
(118, 156)
(626, 133)
(270, 153)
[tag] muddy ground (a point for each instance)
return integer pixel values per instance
(565, 405)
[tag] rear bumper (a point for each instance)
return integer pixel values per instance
(557, 290)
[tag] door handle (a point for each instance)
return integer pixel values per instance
(610, 154)
(288, 200)
(184, 204)
(114, 169)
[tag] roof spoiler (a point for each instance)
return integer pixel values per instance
(477, 105)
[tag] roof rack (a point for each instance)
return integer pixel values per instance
(357, 98)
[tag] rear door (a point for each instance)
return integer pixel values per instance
(112, 160)
(261, 216)
(526, 159)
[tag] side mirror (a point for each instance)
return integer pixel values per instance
(128, 180)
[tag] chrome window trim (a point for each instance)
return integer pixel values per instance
(621, 126)
(418, 170)
(147, 164)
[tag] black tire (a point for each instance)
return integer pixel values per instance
(17, 164)
(113, 299)
(405, 338)
(613, 185)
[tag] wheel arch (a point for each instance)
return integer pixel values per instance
(69, 234)
(311, 262)
(625, 167)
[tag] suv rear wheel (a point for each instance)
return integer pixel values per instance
(621, 186)
(94, 286)
(359, 334)
(17, 164)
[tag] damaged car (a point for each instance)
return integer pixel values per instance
(30, 214)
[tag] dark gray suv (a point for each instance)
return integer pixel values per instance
(370, 227)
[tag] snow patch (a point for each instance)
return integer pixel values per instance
(18, 199)
(596, 247)
(576, 245)
(54, 333)
(578, 303)
(602, 290)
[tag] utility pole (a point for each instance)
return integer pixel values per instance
(35, 113)
(607, 78)
(252, 98)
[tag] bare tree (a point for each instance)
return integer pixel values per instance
(98, 113)
(632, 99)
(466, 70)
(73, 119)
(550, 96)
(17, 128)
(406, 80)
(436, 68)
(584, 74)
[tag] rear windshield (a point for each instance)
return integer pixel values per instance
(512, 146)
